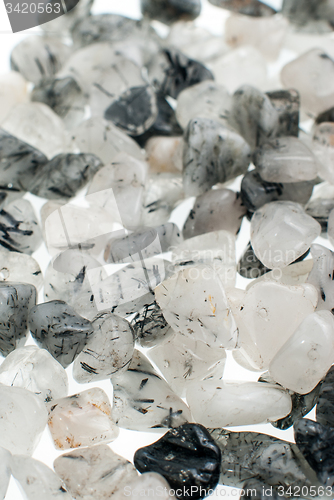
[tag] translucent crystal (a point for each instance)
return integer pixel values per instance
(321, 276)
(19, 267)
(253, 8)
(164, 154)
(149, 325)
(102, 28)
(324, 409)
(324, 151)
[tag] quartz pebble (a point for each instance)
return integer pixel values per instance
(287, 103)
(253, 8)
(94, 473)
(319, 208)
(20, 267)
(5, 471)
(56, 327)
(321, 276)
(164, 154)
(324, 409)
(187, 457)
(149, 325)
(143, 401)
(108, 351)
(13, 90)
(281, 232)
(37, 371)
(212, 153)
(171, 11)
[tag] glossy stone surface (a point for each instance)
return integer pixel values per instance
(171, 11)
(82, 470)
(164, 154)
(249, 266)
(143, 401)
(215, 210)
(205, 315)
(37, 480)
(256, 192)
(324, 409)
(321, 276)
(211, 154)
(286, 103)
(187, 457)
(108, 351)
(37, 371)
(23, 418)
(56, 327)
(286, 159)
(16, 299)
(5, 471)
(246, 7)
(81, 420)
(149, 325)
(20, 267)
(281, 232)
(319, 208)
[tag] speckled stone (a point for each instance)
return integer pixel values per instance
(319, 209)
(325, 405)
(287, 104)
(187, 457)
(149, 325)
(321, 276)
(172, 10)
(246, 7)
(56, 327)
(322, 146)
(325, 116)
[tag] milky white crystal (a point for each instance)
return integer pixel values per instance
(20, 267)
(164, 154)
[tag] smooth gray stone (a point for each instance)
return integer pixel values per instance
(65, 174)
(302, 12)
(213, 211)
(325, 406)
(211, 154)
(16, 299)
(150, 326)
(249, 266)
(246, 7)
(20, 163)
(135, 111)
(56, 327)
(256, 192)
(102, 28)
(255, 489)
(287, 104)
(171, 10)
(319, 209)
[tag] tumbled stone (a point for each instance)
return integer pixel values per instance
(13, 90)
(37, 57)
(315, 441)
(224, 404)
(171, 11)
(23, 418)
(323, 149)
(5, 471)
(211, 154)
(183, 360)
(81, 420)
(108, 351)
(286, 103)
(16, 299)
(56, 327)
(37, 371)
(286, 160)
(309, 74)
(256, 192)
(102, 28)
(249, 266)
(149, 325)
(215, 210)
(205, 315)
(281, 232)
(253, 8)
(143, 401)
(37, 480)
(20, 267)
(307, 355)
(301, 12)
(94, 473)
(64, 175)
(267, 314)
(321, 276)
(164, 154)
(324, 410)
(187, 457)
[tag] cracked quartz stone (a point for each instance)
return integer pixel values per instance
(94, 473)
(206, 315)
(64, 175)
(20, 267)
(37, 480)
(286, 160)
(187, 457)
(81, 420)
(56, 327)
(321, 276)
(311, 75)
(324, 410)
(212, 153)
(149, 325)
(323, 149)
(301, 12)
(315, 442)
(38, 57)
(281, 232)
(171, 11)
(215, 403)
(267, 315)
(164, 154)
(108, 351)
(13, 90)
(256, 192)
(5, 471)
(183, 360)
(287, 104)
(16, 300)
(215, 210)
(307, 355)
(37, 371)
(143, 401)
(23, 418)
(253, 115)
(246, 7)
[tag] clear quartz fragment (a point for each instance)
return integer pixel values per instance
(149, 325)
(321, 276)
(20, 267)
(81, 420)
(5, 471)
(286, 103)
(164, 154)
(294, 274)
(13, 90)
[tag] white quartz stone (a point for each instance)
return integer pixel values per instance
(23, 418)
(281, 232)
(164, 154)
(149, 484)
(323, 148)
(307, 355)
(321, 276)
(20, 268)
(13, 90)
(267, 315)
(224, 404)
(37, 371)
(5, 471)
(194, 303)
(294, 274)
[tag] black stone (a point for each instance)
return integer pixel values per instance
(252, 8)
(249, 266)
(187, 457)
(56, 327)
(325, 406)
(169, 11)
(287, 104)
(325, 116)
(316, 442)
